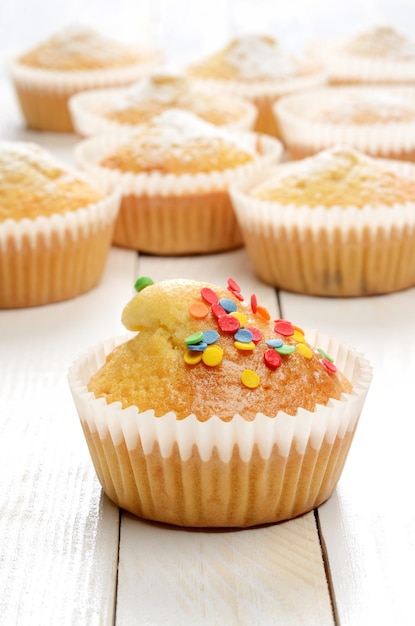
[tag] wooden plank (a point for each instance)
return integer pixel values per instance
(58, 534)
(368, 525)
(258, 576)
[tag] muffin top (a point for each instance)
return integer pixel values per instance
(366, 107)
(204, 350)
(78, 48)
(159, 92)
(251, 58)
(178, 142)
(339, 176)
(33, 183)
(382, 41)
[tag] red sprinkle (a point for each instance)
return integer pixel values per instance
(329, 365)
(237, 295)
(209, 295)
(228, 323)
(218, 311)
(233, 285)
(283, 327)
(254, 303)
(272, 359)
(256, 334)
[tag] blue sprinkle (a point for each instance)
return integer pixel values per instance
(275, 343)
(244, 335)
(210, 336)
(228, 304)
(200, 347)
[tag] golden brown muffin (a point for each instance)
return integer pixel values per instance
(174, 173)
(214, 414)
(339, 223)
(71, 61)
(55, 228)
(257, 67)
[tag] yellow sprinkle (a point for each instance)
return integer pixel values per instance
(192, 357)
(240, 317)
(250, 379)
(298, 336)
(240, 345)
(305, 350)
(212, 355)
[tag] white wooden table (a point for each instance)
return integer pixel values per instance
(68, 556)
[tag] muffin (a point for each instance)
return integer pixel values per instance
(121, 110)
(258, 68)
(55, 228)
(212, 415)
(381, 55)
(174, 173)
(339, 223)
(379, 121)
(73, 60)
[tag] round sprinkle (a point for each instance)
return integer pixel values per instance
(212, 356)
(228, 323)
(210, 336)
(209, 295)
(254, 303)
(241, 345)
(299, 329)
(238, 295)
(305, 350)
(240, 317)
(143, 282)
(324, 354)
(195, 338)
(285, 349)
(218, 311)
(244, 335)
(256, 334)
(263, 312)
(275, 343)
(202, 345)
(228, 304)
(198, 310)
(192, 358)
(298, 336)
(233, 285)
(283, 327)
(329, 365)
(272, 359)
(250, 379)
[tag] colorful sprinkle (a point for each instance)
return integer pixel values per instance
(209, 295)
(195, 338)
(192, 358)
(285, 349)
(143, 282)
(283, 327)
(263, 312)
(305, 350)
(233, 286)
(210, 336)
(254, 303)
(212, 356)
(242, 345)
(198, 310)
(324, 354)
(256, 334)
(241, 317)
(228, 304)
(250, 379)
(272, 359)
(228, 323)
(244, 335)
(275, 343)
(329, 365)
(218, 311)
(298, 336)
(201, 346)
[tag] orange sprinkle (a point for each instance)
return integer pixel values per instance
(198, 310)
(263, 312)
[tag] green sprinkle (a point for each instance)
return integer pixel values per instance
(285, 349)
(326, 356)
(195, 338)
(143, 282)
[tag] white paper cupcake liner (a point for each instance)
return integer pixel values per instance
(304, 136)
(329, 251)
(85, 109)
(217, 473)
